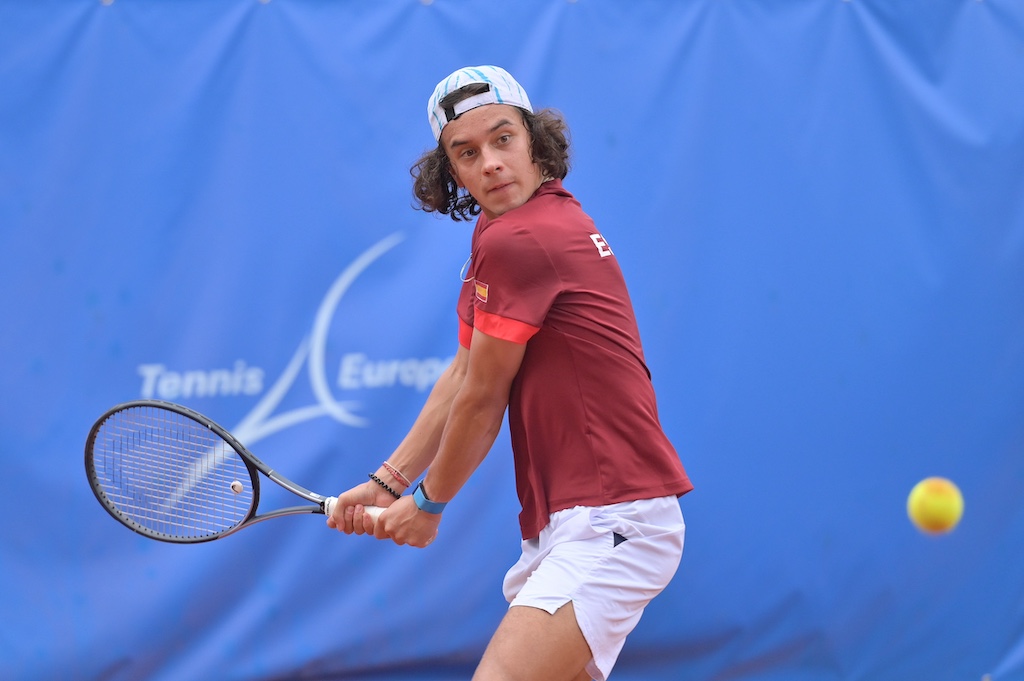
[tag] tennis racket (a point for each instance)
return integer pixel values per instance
(170, 473)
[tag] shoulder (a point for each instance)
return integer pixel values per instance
(550, 196)
(550, 208)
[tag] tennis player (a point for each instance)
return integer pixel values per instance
(547, 331)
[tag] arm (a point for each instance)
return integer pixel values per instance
(476, 414)
(420, 446)
(470, 429)
(416, 451)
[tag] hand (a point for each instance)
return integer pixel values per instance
(404, 523)
(348, 515)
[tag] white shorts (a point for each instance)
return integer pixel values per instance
(610, 561)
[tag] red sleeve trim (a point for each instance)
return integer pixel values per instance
(503, 327)
(465, 334)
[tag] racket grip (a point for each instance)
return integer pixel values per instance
(374, 511)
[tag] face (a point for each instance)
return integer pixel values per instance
(489, 152)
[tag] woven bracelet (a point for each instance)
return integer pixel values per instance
(385, 486)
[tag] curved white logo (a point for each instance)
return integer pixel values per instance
(356, 371)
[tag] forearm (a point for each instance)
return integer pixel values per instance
(420, 445)
(452, 435)
(471, 429)
(476, 415)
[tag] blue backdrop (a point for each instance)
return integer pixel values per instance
(819, 207)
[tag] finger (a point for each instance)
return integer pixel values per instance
(380, 530)
(369, 524)
(350, 513)
(359, 519)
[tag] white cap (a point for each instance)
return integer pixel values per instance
(503, 90)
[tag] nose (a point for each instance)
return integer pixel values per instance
(492, 161)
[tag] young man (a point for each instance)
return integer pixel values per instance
(547, 331)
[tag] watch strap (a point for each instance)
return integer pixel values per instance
(424, 503)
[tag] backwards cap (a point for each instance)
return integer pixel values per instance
(503, 90)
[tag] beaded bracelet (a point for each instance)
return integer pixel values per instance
(398, 475)
(385, 486)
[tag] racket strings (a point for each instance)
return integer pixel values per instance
(169, 474)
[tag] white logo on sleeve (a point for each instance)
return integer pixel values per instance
(602, 246)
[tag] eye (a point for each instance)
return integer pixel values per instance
(505, 139)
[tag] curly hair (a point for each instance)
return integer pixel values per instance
(435, 190)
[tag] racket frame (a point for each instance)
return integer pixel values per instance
(253, 464)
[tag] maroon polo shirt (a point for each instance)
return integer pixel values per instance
(582, 410)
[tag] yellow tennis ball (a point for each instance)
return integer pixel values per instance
(935, 505)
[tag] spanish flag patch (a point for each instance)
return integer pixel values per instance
(481, 292)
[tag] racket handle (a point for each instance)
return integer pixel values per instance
(374, 511)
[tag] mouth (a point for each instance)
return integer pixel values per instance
(499, 187)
